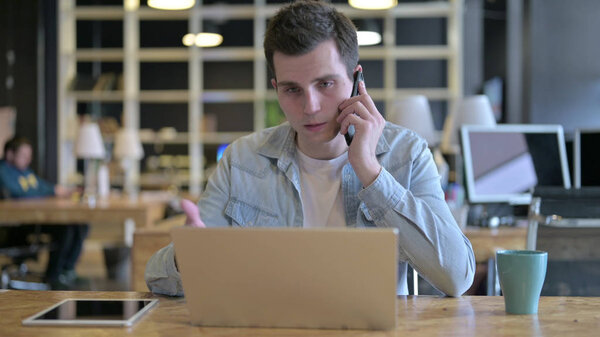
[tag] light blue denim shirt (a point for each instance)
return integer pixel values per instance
(257, 183)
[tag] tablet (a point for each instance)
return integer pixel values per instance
(103, 312)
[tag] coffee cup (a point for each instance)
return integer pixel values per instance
(521, 274)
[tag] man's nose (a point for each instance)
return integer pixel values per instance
(312, 103)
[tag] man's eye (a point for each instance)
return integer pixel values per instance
(326, 84)
(292, 90)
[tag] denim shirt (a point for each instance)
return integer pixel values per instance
(257, 183)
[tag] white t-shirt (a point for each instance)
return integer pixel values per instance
(322, 199)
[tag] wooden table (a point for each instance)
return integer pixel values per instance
(486, 241)
(144, 211)
(118, 210)
(418, 316)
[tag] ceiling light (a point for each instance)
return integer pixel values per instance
(208, 39)
(171, 4)
(373, 4)
(366, 38)
(189, 39)
(368, 32)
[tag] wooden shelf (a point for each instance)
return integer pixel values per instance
(169, 96)
(131, 55)
(181, 54)
(405, 53)
(207, 138)
(175, 54)
(241, 95)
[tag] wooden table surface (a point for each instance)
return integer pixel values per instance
(418, 316)
(143, 211)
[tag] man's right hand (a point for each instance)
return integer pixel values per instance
(62, 191)
(192, 213)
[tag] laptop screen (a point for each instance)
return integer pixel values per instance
(504, 163)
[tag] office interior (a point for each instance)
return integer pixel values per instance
(536, 60)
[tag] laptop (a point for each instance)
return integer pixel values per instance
(318, 278)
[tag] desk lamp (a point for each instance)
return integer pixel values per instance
(128, 148)
(90, 147)
(413, 112)
(473, 110)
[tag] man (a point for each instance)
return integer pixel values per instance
(17, 180)
(303, 174)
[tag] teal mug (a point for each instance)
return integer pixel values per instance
(521, 274)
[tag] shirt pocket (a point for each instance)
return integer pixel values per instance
(243, 214)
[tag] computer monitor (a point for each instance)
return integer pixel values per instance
(504, 163)
(586, 158)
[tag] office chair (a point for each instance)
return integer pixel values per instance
(19, 244)
(15, 273)
(566, 224)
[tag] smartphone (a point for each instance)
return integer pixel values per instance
(358, 77)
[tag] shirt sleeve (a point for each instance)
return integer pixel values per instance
(162, 277)
(45, 188)
(428, 234)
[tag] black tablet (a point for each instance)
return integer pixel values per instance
(103, 312)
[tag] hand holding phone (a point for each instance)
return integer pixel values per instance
(358, 77)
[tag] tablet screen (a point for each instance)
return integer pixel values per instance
(92, 312)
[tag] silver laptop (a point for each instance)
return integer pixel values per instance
(289, 277)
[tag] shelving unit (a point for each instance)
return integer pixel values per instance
(195, 96)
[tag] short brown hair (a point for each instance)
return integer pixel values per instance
(299, 27)
(15, 143)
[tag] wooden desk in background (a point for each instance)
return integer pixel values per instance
(417, 316)
(144, 212)
(486, 241)
(148, 209)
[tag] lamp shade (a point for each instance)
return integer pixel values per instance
(89, 144)
(128, 144)
(473, 110)
(413, 112)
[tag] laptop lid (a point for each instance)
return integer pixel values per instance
(289, 277)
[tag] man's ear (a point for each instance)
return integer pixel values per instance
(274, 83)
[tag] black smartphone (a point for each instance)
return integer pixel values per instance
(358, 77)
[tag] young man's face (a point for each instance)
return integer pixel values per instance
(310, 88)
(20, 158)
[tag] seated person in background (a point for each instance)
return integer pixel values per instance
(302, 173)
(17, 180)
